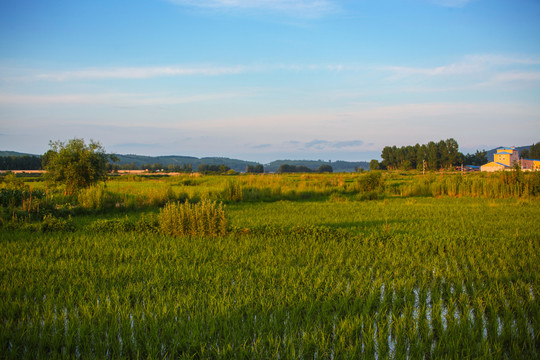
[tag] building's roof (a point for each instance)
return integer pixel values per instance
(493, 163)
(504, 152)
(531, 159)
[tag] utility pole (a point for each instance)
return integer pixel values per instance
(424, 167)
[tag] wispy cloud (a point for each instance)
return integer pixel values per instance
(325, 145)
(261, 146)
(482, 68)
(451, 69)
(513, 79)
(139, 72)
(297, 8)
(113, 99)
(143, 73)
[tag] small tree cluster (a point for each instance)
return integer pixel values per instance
(532, 153)
(443, 154)
(255, 169)
(215, 169)
(25, 162)
(75, 164)
(477, 159)
(286, 168)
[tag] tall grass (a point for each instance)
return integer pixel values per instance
(96, 197)
(206, 218)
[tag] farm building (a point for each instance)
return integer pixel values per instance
(494, 166)
(530, 164)
(506, 158)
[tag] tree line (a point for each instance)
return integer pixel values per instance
(433, 155)
(286, 168)
(25, 162)
(532, 153)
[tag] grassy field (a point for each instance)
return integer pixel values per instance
(309, 268)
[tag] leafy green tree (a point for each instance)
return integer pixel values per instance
(286, 168)
(75, 164)
(477, 159)
(407, 165)
(372, 181)
(532, 153)
(210, 168)
(433, 159)
(374, 165)
(453, 155)
(255, 169)
(325, 168)
(25, 162)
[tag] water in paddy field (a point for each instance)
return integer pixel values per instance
(122, 337)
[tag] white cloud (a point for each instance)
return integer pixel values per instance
(325, 144)
(446, 70)
(302, 8)
(480, 69)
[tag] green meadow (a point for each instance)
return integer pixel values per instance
(305, 266)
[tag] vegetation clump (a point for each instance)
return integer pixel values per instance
(206, 218)
(75, 164)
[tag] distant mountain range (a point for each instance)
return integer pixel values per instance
(15, 153)
(236, 164)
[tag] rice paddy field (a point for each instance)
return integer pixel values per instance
(309, 267)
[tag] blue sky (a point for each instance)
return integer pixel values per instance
(269, 79)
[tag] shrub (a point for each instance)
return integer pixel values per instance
(372, 181)
(206, 218)
(51, 223)
(372, 195)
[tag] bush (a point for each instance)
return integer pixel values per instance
(206, 218)
(372, 195)
(50, 223)
(372, 181)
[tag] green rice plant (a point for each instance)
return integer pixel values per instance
(96, 197)
(51, 223)
(206, 218)
(112, 225)
(449, 277)
(158, 196)
(232, 191)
